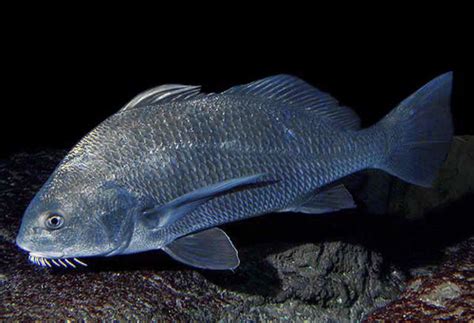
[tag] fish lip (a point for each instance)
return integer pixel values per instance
(113, 252)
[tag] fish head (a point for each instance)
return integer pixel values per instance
(77, 215)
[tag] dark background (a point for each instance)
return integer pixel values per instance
(62, 83)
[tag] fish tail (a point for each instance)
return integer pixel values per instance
(418, 133)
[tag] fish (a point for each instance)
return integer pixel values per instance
(175, 163)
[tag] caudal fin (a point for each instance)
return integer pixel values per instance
(419, 132)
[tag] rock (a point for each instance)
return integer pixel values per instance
(339, 267)
(442, 293)
(445, 295)
(328, 281)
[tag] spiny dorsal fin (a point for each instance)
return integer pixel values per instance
(299, 94)
(162, 94)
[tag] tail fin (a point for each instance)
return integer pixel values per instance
(419, 132)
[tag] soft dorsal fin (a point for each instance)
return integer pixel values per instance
(162, 94)
(174, 210)
(209, 249)
(298, 94)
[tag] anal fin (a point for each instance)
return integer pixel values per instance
(209, 249)
(330, 200)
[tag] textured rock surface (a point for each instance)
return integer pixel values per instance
(336, 267)
(447, 293)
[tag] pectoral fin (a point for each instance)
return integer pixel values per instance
(331, 200)
(172, 211)
(209, 249)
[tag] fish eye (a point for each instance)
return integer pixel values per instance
(54, 221)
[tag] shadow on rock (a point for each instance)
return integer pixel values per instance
(412, 244)
(406, 246)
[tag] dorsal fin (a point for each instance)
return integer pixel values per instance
(287, 89)
(162, 94)
(298, 94)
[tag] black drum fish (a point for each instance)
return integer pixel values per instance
(175, 163)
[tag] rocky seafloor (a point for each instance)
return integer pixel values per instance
(407, 253)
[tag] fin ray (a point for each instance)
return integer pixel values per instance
(162, 94)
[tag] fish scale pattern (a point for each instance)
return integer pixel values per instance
(162, 152)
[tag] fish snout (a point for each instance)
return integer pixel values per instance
(29, 247)
(25, 240)
(33, 239)
(22, 243)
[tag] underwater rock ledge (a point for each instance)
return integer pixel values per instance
(413, 262)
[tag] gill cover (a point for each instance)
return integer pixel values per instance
(119, 220)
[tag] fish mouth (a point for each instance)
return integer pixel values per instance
(43, 261)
